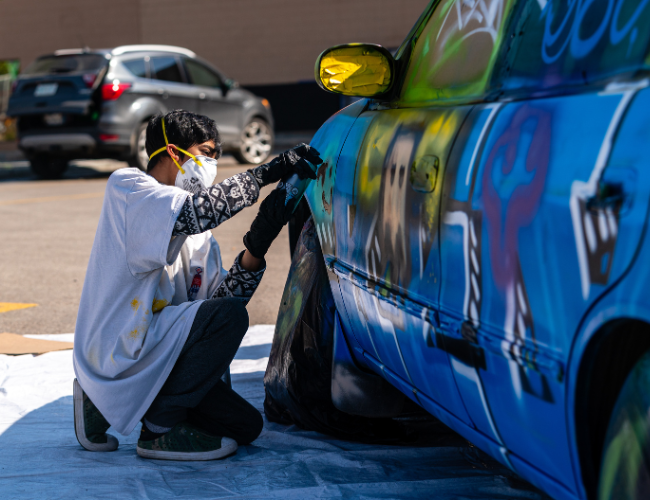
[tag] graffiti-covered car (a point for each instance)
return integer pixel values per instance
(482, 216)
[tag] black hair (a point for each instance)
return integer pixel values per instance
(184, 129)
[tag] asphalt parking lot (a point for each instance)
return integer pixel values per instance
(48, 228)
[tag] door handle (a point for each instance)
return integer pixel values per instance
(163, 93)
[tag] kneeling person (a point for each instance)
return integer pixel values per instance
(160, 320)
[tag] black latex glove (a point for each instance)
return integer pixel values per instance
(270, 220)
(293, 160)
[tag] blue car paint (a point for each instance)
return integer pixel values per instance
(549, 268)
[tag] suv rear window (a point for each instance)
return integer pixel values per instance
(138, 67)
(66, 64)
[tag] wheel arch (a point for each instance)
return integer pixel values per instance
(607, 353)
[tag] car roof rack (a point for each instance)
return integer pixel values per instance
(67, 52)
(160, 48)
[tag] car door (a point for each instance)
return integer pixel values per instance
(226, 110)
(391, 244)
(170, 85)
(533, 222)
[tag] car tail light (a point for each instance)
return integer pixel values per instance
(112, 91)
(108, 137)
(14, 84)
(89, 79)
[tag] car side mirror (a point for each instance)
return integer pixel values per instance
(356, 69)
(228, 84)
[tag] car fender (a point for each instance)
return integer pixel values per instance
(257, 109)
(146, 107)
(329, 141)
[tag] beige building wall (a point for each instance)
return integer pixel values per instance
(253, 41)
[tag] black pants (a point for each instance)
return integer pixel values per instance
(194, 390)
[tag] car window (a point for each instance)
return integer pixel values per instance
(66, 64)
(165, 68)
(455, 52)
(201, 75)
(138, 67)
(569, 43)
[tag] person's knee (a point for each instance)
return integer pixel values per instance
(239, 315)
(253, 428)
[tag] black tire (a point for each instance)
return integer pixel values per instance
(45, 167)
(139, 159)
(625, 464)
(256, 142)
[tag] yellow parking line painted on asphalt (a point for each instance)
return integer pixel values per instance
(52, 198)
(13, 306)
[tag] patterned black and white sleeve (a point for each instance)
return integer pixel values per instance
(210, 207)
(239, 282)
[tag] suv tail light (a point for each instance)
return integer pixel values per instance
(112, 91)
(89, 79)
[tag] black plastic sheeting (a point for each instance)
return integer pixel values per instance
(298, 376)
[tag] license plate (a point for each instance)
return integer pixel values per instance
(45, 89)
(53, 119)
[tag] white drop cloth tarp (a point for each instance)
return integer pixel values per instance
(41, 459)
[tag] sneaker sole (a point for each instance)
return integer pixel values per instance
(228, 447)
(80, 432)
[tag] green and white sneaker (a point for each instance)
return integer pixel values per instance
(90, 426)
(186, 442)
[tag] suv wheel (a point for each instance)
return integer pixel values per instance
(256, 142)
(140, 159)
(45, 167)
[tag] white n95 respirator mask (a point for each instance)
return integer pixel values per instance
(199, 172)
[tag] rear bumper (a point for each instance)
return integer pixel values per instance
(75, 144)
(58, 142)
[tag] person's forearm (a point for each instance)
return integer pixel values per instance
(251, 263)
(210, 207)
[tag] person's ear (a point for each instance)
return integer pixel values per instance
(172, 151)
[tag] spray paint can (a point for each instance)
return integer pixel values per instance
(295, 188)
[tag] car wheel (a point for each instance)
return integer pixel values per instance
(625, 466)
(45, 167)
(256, 142)
(140, 159)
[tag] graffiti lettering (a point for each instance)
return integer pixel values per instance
(484, 15)
(578, 17)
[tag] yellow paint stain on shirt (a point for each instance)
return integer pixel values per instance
(135, 304)
(158, 305)
(13, 306)
(134, 334)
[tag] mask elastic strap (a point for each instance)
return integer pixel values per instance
(198, 162)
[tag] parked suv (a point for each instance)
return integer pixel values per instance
(83, 103)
